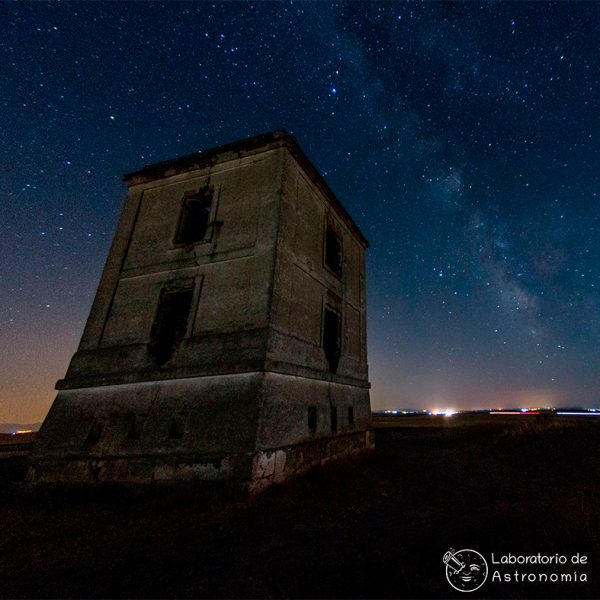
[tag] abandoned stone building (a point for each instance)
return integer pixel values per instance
(227, 338)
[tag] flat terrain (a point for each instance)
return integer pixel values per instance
(374, 526)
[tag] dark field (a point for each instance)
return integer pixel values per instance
(374, 526)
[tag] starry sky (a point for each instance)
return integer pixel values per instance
(462, 137)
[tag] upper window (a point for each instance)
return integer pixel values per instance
(193, 222)
(333, 250)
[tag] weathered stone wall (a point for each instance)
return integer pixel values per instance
(231, 274)
(215, 421)
(274, 466)
(284, 409)
(303, 283)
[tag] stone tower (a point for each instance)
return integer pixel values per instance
(227, 337)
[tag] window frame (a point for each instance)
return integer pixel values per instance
(158, 326)
(333, 361)
(331, 229)
(194, 196)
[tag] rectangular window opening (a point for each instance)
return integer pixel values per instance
(136, 426)
(351, 416)
(170, 323)
(193, 222)
(95, 432)
(333, 251)
(332, 338)
(334, 418)
(312, 419)
(177, 428)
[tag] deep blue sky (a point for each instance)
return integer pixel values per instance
(463, 138)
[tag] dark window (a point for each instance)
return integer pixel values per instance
(94, 433)
(136, 426)
(95, 471)
(333, 417)
(331, 338)
(333, 251)
(351, 416)
(170, 323)
(177, 428)
(193, 221)
(312, 419)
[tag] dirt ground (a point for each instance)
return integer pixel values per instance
(376, 526)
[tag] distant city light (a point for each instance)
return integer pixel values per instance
(525, 411)
(442, 412)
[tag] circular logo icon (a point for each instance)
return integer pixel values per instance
(466, 570)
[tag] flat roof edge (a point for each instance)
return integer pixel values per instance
(156, 170)
(198, 160)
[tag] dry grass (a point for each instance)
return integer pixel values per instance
(375, 526)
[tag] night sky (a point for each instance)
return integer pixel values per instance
(463, 139)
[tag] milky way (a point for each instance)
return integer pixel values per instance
(463, 139)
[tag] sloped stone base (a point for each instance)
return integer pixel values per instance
(249, 430)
